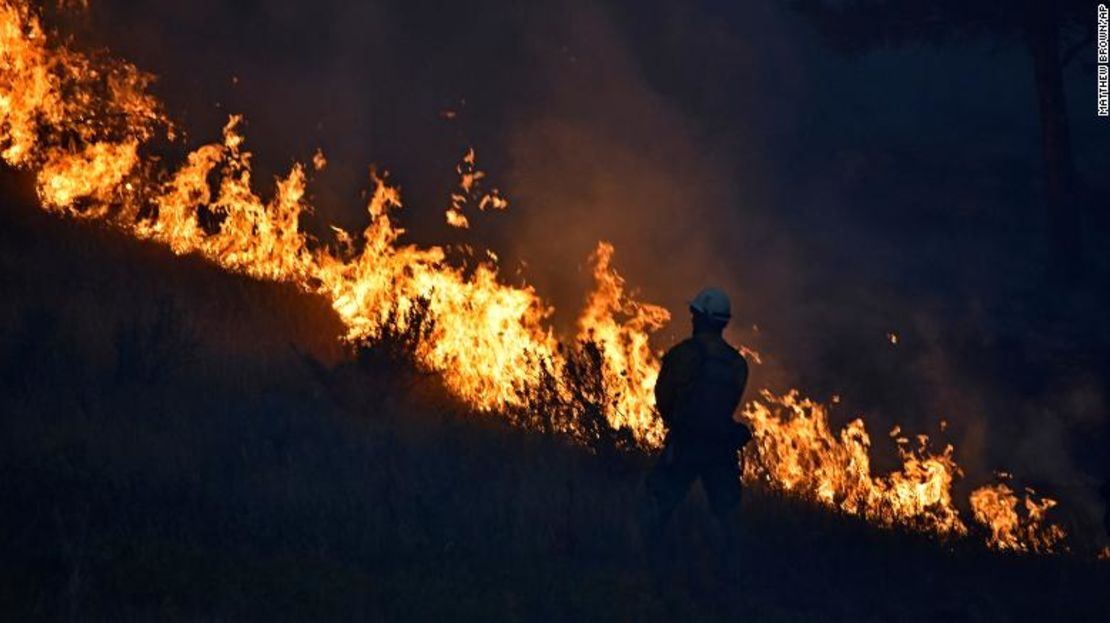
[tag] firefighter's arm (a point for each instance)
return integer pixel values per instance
(665, 389)
(674, 376)
(741, 379)
(745, 433)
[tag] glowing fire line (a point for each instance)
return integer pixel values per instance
(83, 128)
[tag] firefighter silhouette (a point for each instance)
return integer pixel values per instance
(698, 391)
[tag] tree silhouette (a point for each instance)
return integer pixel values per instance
(1043, 26)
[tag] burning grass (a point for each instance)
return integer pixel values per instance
(87, 127)
(251, 486)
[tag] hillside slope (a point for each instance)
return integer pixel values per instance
(178, 443)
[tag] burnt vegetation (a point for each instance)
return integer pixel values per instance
(571, 402)
(152, 348)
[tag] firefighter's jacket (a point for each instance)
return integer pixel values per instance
(699, 388)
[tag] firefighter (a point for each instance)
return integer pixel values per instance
(698, 391)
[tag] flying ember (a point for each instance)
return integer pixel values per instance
(85, 126)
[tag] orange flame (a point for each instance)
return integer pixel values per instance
(796, 451)
(82, 127)
(996, 506)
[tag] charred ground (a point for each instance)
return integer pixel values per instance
(183, 444)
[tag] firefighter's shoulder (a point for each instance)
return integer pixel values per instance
(684, 348)
(739, 361)
(681, 353)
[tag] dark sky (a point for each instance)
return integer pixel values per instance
(713, 142)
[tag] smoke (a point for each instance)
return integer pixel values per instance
(555, 98)
(711, 144)
(601, 155)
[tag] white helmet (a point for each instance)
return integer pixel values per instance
(712, 303)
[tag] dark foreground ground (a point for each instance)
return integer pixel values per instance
(166, 455)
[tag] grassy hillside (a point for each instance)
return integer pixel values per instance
(177, 443)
